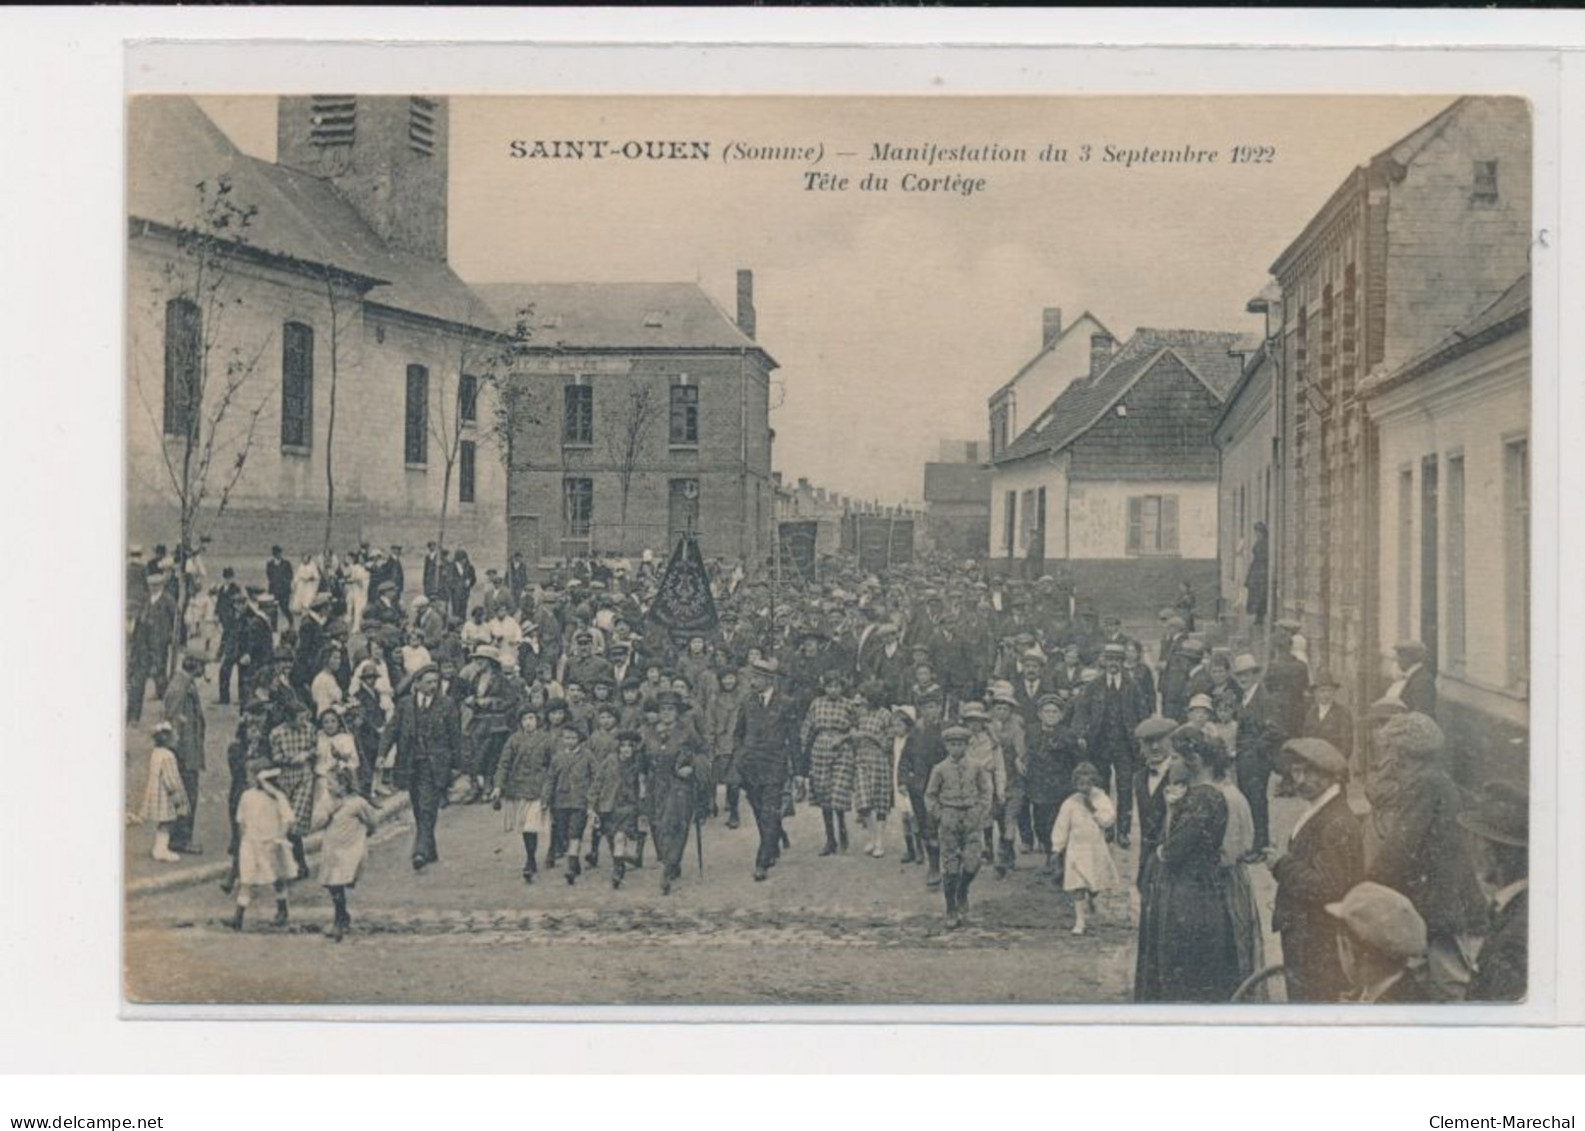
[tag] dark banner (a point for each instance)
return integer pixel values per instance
(684, 603)
(797, 549)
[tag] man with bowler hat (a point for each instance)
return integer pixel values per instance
(1499, 826)
(766, 724)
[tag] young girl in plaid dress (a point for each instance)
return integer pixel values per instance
(164, 798)
(872, 766)
(825, 735)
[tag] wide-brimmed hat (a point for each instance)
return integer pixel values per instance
(1052, 699)
(766, 666)
(1501, 813)
(1118, 651)
(1382, 919)
(1245, 662)
(973, 709)
(1203, 701)
(1002, 692)
(1316, 752)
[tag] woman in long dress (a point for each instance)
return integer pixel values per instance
(357, 591)
(824, 735)
(1236, 843)
(873, 787)
(1187, 947)
(305, 585)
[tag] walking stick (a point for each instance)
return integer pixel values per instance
(698, 840)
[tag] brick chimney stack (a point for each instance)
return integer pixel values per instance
(1101, 346)
(745, 302)
(1050, 325)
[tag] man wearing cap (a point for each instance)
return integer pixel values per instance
(312, 636)
(1499, 827)
(1177, 679)
(958, 795)
(1415, 686)
(1150, 786)
(1419, 847)
(1324, 860)
(922, 749)
(184, 710)
(1327, 718)
(1260, 737)
(255, 642)
(426, 732)
(1107, 713)
(766, 724)
(1287, 678)
(1381, 946)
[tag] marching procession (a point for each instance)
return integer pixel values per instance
(985, 724)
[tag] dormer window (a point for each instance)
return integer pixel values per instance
(654, 320)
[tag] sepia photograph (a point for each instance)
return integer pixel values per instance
(781, 551)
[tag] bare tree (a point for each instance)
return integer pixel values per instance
(625, 436)
(512, 406)
(208, 420)
(482, 355)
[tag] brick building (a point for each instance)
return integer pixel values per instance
(1117, 479)
(958, 500)
(340, 286)
(1413, 244)
(646, 412)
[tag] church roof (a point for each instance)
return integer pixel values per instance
(173, 147)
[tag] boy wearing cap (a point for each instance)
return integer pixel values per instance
(958, 797)
(569, 786)
(1380, 946)
(1324, 860)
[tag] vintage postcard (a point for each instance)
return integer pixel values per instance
(805, 551)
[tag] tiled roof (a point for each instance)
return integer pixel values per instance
(618, 315)
(1206, 353)
(173, 146)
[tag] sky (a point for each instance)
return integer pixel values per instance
(894, 315)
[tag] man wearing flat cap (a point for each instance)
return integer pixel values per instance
(1150, 786)
(1381, 945)
(1419, 848)
(1324, 860)
(1498, 825)
(426, 731)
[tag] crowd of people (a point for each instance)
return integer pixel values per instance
(996, 719)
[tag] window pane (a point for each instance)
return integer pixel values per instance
(1454, 553)
(578, 419)
(468, 398)
(577, 507)
(183, 354)
(416, 439)
(297, 385)
(465, 472)
(1150, 524)
(685, 414)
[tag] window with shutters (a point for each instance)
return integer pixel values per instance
(1405, 549)
(465, 471)
(1152, 525)
(577, 508)
(184, 349)
(577, 414)
(297, 386)
(1453, 562)
(1009, 523)
(468, 398)
(1485, 183)
(1026, 525)
(421, 125)
(415, 436)
(684, 414)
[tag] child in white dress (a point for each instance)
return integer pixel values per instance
(264, 855)
(1080, 836)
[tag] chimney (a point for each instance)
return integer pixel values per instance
(1050, 325)
(745, 302)
(1100, 353)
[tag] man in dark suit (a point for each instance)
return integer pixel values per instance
(1107, 715)
(426, 731)
(312, 634)
(1327, 718)
(1325, 859)
(1031, 686)
(1415, 686)
(228, 609)
(765, 730)
(398, 575)
(1260, 736)
(278, 580)
(255, 641)
(433, 576)
(1500, 824)
(1150, 785)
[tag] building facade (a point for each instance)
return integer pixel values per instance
(1452, 433)
(281, 348)
(1066, 354)
(1413, 244)
(1118, 479)
(958, 500)
(641, 413)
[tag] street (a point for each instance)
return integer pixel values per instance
(848, 929)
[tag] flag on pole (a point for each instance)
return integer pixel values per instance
(684, 603)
